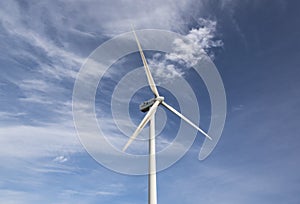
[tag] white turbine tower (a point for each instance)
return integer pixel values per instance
(151, 107)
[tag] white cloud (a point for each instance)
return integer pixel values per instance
(238, 108)
(195, 44)
(90, 193)
(10, 115)
(60, 159)
(105, 190)
(34, 84)
(187, 51)
(161, 68)
(105, 193)
(36, 98)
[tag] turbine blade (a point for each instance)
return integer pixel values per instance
(184, 118)
(145, 120)
(147, 70)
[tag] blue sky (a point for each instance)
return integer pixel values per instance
(44, 44)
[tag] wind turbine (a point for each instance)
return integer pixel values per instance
(151, 107)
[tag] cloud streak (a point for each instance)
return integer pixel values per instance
(30, 142)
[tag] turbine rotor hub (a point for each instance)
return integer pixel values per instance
(160, 98)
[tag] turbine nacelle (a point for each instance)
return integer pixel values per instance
(146, 105)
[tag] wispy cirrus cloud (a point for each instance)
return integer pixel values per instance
(30, 142)
(44, 67)
(17, 196)
(11, 115)
(27, 31)
(155, 14)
